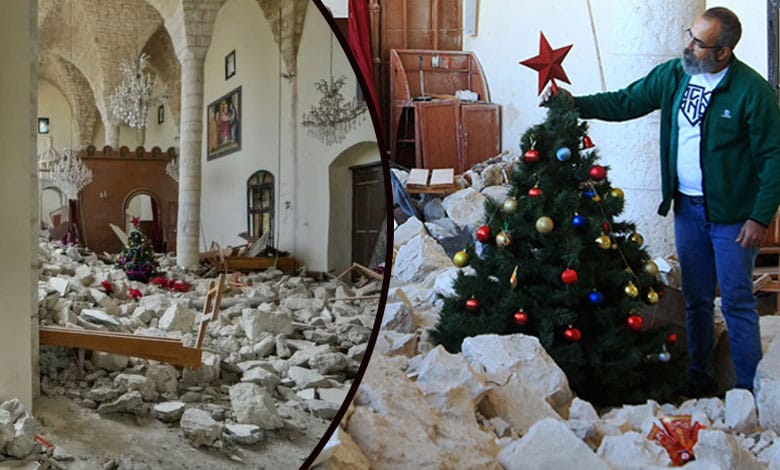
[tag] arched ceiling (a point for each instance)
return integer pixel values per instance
(82, 43)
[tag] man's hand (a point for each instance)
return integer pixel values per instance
(547, 94)
(751, 235)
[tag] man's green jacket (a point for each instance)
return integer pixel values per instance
(740, 137)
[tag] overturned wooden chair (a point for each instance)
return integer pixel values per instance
(168, 350)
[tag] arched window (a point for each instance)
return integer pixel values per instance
(260, 205)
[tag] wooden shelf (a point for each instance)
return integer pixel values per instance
(446, 132)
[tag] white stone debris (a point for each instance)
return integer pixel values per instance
(275, 334)
(503, 402)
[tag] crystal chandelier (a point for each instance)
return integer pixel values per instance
(132, 98)
(333, 117)
(69, 174)
(172, 168)
(46, 161)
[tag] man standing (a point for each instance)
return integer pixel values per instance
(720, 166)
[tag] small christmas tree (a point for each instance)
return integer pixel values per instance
(137, 259)
(556, 264)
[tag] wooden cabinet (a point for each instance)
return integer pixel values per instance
(430, 128)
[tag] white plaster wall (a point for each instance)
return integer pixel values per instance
(163, 135)
(338, 8)
(300, 163)
(341, 201)
(314, 217)
(18, 201)
(630, 37)
(53, 105)
(240, 25)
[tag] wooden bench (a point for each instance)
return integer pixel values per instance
(167, 350)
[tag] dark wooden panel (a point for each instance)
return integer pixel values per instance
(481, 128)
(437, 125)
(368, 211)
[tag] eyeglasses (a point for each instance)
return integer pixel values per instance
(698, 41)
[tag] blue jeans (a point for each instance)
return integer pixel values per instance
(708, 253)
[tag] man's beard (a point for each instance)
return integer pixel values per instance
(694, 66)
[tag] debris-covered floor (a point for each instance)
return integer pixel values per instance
(277, 364)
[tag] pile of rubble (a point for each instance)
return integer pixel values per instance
(503, 402)
(282, 346)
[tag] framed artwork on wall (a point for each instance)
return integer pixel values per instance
(43, 125)
(160, 114)
(224, 125)
(230, 64)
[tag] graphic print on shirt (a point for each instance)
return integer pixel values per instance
(695, 101)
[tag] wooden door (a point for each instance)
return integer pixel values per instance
(368, 211)
(437, 134)
(480, 133)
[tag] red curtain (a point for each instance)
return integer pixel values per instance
(358, 26)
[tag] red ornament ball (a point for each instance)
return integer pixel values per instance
(483, 233)
(535, 192)
(572, 334)
(597, 172)
(605, 226)
(521, 318)
(531, 156)
(472, 305)
(635, 322)
(671, 338)
(569, 276)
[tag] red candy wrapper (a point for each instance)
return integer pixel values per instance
(678, 436)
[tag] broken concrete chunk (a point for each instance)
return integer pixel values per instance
(252, 404)
(246, 434)
(169, 411)
(177, 317)
(108, 361)
(199, 427)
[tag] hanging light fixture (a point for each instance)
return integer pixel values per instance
(46, 161)
(132, 98)
(333, 117)
(70, 174)
(64, 170)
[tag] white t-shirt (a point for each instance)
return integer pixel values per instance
(689, 117)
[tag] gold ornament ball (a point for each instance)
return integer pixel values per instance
(461, 259)
(596, 198)
(510, 206)
(637, 238)
(603, 242)
(652, 297)
(544, 224)
(631, 290)
(651, 268)
(617, 192)
(503, 239)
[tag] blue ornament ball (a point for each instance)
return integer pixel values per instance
(596, 297)
(579, 221)
(563, 154)
(589, 193)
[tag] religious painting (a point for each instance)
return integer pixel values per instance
(223, 118)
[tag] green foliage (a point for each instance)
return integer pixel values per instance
(612, 363)
(137, 260)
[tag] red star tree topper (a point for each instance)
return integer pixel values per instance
(548, 63)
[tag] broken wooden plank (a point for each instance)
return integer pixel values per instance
(167, 350)
(357, 297)
(363, 270)
(287, 264)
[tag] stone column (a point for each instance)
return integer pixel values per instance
(640, 39)
(112, 134)
(18, 201)
(188, 222)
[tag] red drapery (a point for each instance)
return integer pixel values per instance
(358, 26)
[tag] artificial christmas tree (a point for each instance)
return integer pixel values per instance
(137, 259)
(562, 268)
